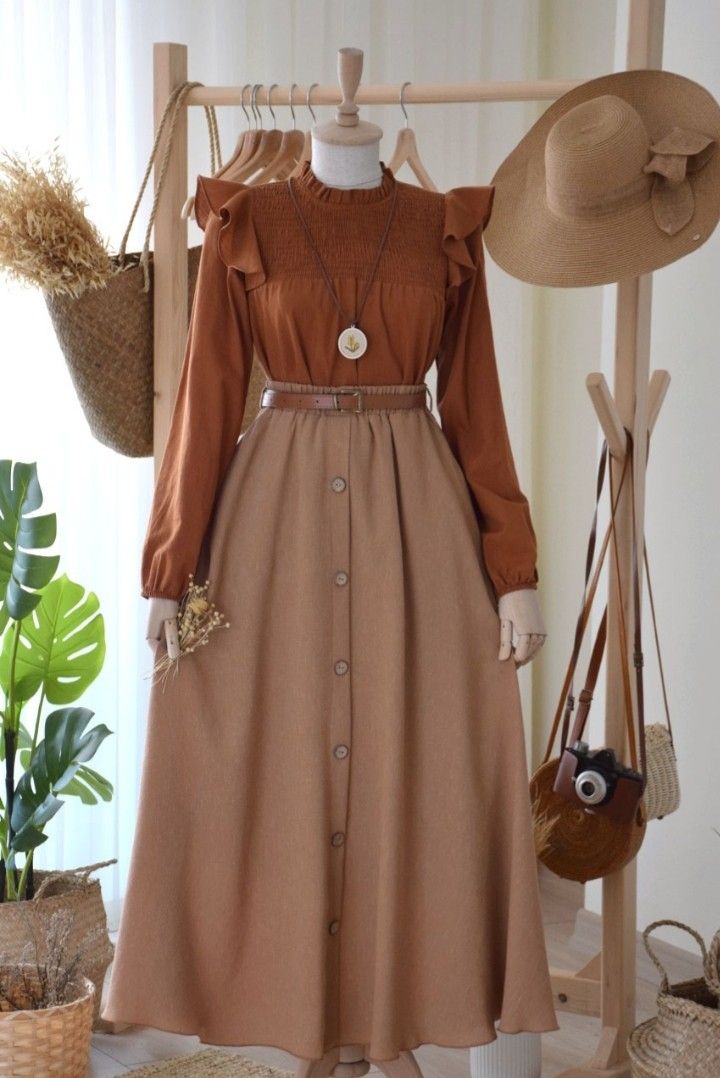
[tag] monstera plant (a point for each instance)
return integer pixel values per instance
(52, 646)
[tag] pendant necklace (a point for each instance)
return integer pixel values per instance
(352, 342)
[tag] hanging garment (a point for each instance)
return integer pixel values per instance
(334, 840)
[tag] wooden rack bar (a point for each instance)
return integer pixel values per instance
(415, 93)
(606, 984)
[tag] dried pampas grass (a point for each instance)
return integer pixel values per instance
(46, 240)
(45, 974)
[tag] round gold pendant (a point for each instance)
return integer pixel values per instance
(352, 343)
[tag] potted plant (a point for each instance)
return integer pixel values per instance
(52, 647)
(46, 1002)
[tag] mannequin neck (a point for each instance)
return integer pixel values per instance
(339, 165)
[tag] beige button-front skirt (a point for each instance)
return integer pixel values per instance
(334, 840)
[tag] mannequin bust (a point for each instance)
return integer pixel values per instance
(346, 153)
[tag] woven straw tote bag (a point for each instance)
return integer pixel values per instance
(684, 1037)
(571, 841)
(106, 334)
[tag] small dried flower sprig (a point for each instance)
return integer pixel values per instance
(197, 618)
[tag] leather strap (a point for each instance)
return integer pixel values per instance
(657, 645)
(637, 648)
(656, 635)
(566, 701)
(586, 696)
(569, 697)
(638, 658)
(343, 399)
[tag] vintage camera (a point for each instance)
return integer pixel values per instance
(595, 780)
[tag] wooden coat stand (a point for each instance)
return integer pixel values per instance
(605, 986)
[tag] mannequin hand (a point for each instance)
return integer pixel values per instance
(520, 615)
(161, 610)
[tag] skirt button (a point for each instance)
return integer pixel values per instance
(338, 484)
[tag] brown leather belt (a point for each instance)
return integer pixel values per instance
(344, 400)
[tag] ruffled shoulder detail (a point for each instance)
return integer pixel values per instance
(232, 203)
(467, 212)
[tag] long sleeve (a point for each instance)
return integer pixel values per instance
(469, 398)
(210, 399)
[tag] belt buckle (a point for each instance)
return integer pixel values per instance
(348, 393)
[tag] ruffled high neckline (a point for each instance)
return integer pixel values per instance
(308, 181)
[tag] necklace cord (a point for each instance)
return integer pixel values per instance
(321, 264)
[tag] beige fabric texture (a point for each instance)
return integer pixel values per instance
(334, 840)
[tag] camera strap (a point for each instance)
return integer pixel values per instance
(638, 660)
(566, 703)
(586, 696)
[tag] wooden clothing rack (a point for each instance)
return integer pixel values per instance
(605, 986)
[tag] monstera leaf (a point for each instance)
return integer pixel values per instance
(61, 647)
(55, 763)
(89, 785)
(22, 572)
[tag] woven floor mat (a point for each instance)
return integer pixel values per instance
(212, 1062)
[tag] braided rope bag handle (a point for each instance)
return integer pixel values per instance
(82, 871)
(710, 959)
(169, 116)
(712, 966)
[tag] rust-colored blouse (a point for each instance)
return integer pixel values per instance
(259, 289)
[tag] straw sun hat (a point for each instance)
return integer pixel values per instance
(618, 177)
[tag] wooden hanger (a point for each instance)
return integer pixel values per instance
(306, 154)
(265, 149)
(406, 151)
(246, 144)
(244, 149)
(288, 152)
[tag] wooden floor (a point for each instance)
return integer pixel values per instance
(573, 936)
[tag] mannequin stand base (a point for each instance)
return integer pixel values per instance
(348, 1062)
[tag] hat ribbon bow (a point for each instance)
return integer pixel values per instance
(677, 154)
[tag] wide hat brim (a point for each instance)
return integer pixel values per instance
(531, 243)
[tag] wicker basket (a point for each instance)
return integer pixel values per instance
(49, 1041)
(684, 1038)
(65, 890)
